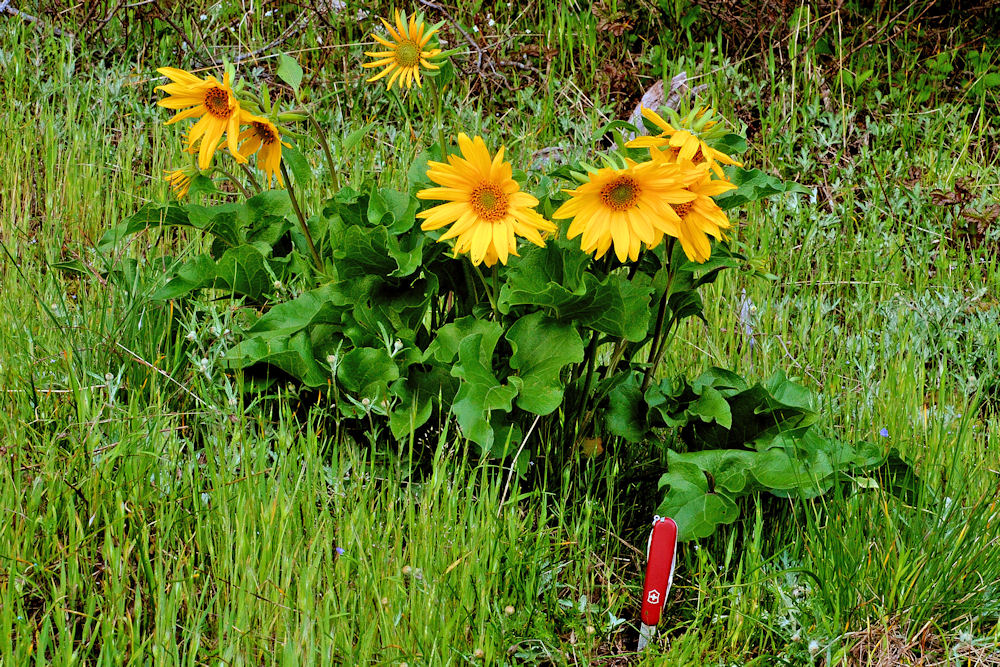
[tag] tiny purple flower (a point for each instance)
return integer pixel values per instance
(884, 432)
(340, 552)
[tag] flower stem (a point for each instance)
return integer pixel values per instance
(326, 150)
(298, 214)
(657, 347)
(234, 181)
(250, 177)
(489, 291)
(438, 94)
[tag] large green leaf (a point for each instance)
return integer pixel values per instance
(542, 348)
(372, 251)
(289, 71)
(320, 305)
(367, 373)
(221, 221)
(241, 270)
(292, 354)
(553, 279)
(480, 393)
(704, 485)
(392, 209)
(444, 347)
(626, 414)
(689, 501)
(417, 391)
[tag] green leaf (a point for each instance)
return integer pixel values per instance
(542, 348)
(553, 278)
(241, 270)
(711, 406)
(216, 220)
(292, 354)
(361, 252)
(416, 175)
(444, 348)
(626, 414)
(690, 503)
(480, 393)
(395, 210)
(730, 144)
(753, 184)
(297, 165)
(289, 71)
(367, 372)
(196, 273)
(417, 391)
(318, 306)
(354, 138)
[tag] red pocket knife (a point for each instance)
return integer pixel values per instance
(661, 552)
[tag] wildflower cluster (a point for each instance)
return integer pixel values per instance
(221, 118)
(356, 302)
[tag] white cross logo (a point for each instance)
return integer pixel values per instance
(653, 597)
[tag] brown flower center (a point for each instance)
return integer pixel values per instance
(489, 201)
(682, 209)
(217, 103)
(407, 53)
(267, 135)
(620, 194)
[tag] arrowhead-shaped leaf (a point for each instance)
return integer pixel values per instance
(542, 348)
(480, 392)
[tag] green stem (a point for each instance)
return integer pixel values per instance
(659, 356)
(656, 347)
(232, 179)
(439, 122)
(615, 358)
(302, 220)
(251, 177)
(489, 292)
(326, 150)
(590, 358)
(657, 332)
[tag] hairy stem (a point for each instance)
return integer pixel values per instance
(234, 181)
(302, 220)
(321, 139)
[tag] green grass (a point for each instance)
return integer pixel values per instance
(153, 514)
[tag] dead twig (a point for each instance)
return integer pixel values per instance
(5, 8)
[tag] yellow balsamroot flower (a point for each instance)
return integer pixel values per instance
(701, 216)
(263, 136)
(213, 103)
(682, 144)
(626, 207)
(484, 206)
(405, 54)
(180, 179)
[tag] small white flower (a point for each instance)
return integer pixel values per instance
(813, 647)
(203, 17)
(191, 335)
